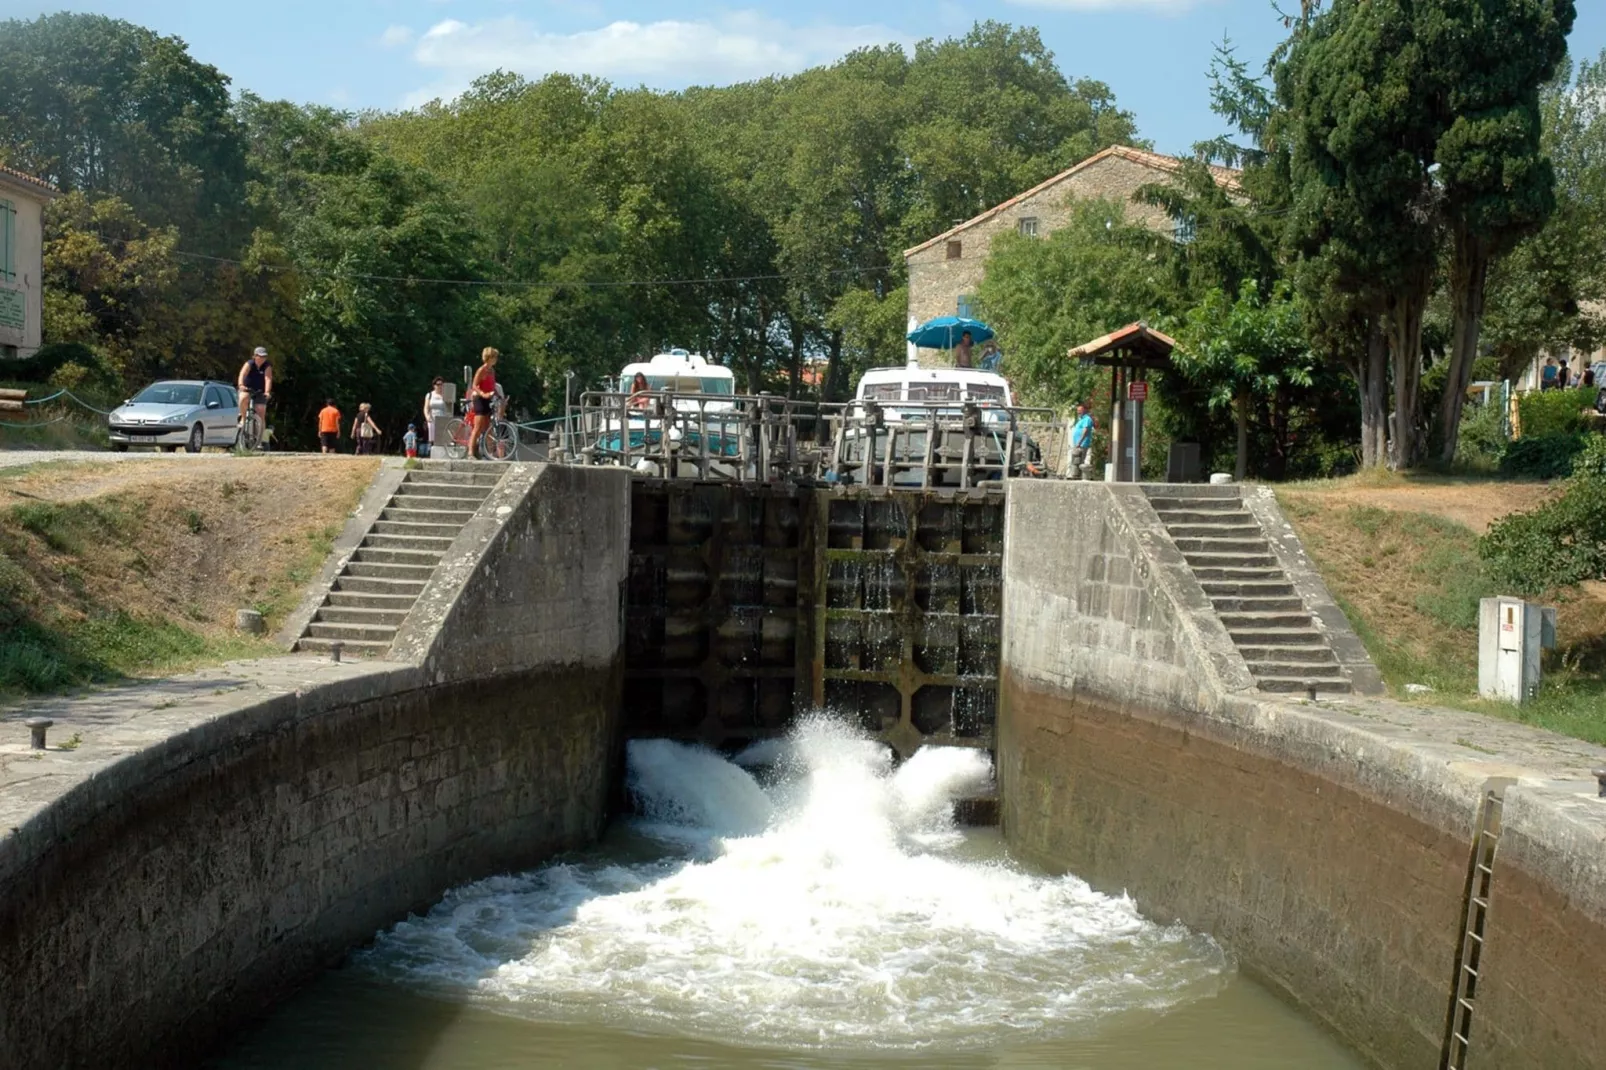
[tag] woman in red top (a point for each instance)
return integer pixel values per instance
(481, 397)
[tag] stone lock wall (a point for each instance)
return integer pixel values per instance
(186, 868)
(1327, 844)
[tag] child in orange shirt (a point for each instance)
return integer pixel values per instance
(329, 426)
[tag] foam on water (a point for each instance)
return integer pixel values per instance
(833, 907)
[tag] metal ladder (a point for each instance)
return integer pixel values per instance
(1464, 988)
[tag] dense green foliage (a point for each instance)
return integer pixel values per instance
(1548, 412)
(1560, 543)
(1547, 456)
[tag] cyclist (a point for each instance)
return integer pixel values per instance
(255, 384)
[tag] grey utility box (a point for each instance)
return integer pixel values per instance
(1511, 635)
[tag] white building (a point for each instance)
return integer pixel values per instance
(22, 250)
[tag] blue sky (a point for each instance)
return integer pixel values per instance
(392, 53)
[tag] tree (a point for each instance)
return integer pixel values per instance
(1364, 219)
(1096, 273)
(1548, 292)
(1488, 64)
(103, 106)
(1244, 347)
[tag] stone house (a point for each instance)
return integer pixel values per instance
(22, 249)
(944, 272)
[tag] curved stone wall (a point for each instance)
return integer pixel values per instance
(1328, 843)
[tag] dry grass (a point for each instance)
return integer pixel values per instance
(1401, 557)
(139, 567)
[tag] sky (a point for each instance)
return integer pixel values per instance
(1154, 54)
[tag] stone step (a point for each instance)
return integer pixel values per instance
(347, 598)
(1276, 588)
(348, 648)
(1288, 685)
(1242, 637)
(1202, 559)
(333, 614)
(1230, 604)
(1178, 518)
(1312, 670)
(1237, 621)
(362, 633)
(378, 555)
(438, 544)
(1215, 531)
(455, 518)
(1171, 503)
(456, 491)
(430, 473)
(1256, 545)
(408, 527)
(385, 572)
(1193, 490)
(433, 502)
(1304, 655)
(1238, 574)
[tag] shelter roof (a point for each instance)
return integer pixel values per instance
(1136, 345)
(1226, 176)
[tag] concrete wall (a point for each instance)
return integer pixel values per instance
(194, 860)
(1326, 843)
(541, 567)
(24, 291)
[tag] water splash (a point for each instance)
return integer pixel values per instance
(835, 907)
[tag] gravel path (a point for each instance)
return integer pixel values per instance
(16, 458)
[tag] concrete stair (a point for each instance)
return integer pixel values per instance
(388, 570)
(1252, 596)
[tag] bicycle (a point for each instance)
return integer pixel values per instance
(501, 441)
(248, 434)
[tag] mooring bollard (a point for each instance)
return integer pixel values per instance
(334, 650)
(37, 726)
(249, 621)
(1600, 778)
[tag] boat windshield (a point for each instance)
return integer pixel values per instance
(690, 384)
(936, 390)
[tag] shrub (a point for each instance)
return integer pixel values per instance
(1560, 543)
(1553, 412)
(1542, 456)
(1483, 437)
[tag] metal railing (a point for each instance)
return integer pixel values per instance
(764, 438)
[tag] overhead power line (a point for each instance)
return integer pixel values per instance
(548, 284)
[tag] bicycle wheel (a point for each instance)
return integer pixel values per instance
(249, 436)
(456, 445)
(502, 442)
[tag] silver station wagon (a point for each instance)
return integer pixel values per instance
(193, 413)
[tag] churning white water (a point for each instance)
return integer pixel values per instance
(834, 906)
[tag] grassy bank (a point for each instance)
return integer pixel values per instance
(1410, 579)
(110, 574)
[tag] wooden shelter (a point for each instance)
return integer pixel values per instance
(1130, 353)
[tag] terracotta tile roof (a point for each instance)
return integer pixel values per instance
(1136, 335)
(22, 178)
(1227, 176)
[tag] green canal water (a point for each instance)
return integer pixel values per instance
(823, 914)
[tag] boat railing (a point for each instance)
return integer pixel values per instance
(765, 438)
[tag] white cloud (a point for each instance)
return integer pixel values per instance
(396, 36)
(666, 54)
(1171, 7)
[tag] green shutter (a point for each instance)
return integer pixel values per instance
(8, 241)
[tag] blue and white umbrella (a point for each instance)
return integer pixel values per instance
(944, 332)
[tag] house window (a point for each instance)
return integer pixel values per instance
(955, 250)
(1028, 227)
(1182, 228)
(967, 306)
(8, 241)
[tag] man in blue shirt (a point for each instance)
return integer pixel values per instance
(1081, 466)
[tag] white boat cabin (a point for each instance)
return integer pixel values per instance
(927, 386)
(682, 372)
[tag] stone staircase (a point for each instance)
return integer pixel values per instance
(376, 589)
(1252, 595)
